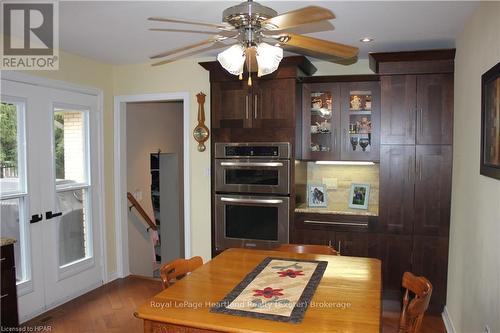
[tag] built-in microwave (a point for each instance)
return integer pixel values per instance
(251, 221)
(257, 168)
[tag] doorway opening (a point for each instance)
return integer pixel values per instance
(150, 162)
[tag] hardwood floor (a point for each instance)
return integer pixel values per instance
(110, 308)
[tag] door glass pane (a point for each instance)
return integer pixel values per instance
(12, 227)
(73, 226)
(252, 222)
(11, 143)
(321, 121)
(70, 146)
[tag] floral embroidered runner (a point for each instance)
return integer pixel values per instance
(277, 289)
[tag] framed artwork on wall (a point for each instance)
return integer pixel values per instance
(317, 196)
(359, 196)
(490, 123)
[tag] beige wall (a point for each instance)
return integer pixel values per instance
(184, 75)
(150, 127)
(474, 265)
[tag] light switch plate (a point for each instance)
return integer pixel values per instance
(331, 183)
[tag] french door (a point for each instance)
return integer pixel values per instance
(49, 194)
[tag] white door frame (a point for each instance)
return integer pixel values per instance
(120, 173)
(99, 200)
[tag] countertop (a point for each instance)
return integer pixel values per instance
(337, 209)
(6, 241)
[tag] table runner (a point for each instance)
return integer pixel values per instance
(277, 289)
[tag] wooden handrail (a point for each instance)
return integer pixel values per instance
(141, 211)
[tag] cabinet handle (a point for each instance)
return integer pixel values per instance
(255, 100)
(3, 259)
(246, 106)
(334, 139)
(419, 167)
(5, 295)
(340, 246)
(346, 140)
(350, 224)
(420, 115)
(410, 162)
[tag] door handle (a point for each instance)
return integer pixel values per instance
(49, 215)
(36, 218)
(252, 201)
(252, 164)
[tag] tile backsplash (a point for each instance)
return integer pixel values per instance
(343, 176)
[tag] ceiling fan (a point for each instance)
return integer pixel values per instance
(257, 36)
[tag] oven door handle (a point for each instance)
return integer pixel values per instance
(253, 164)
(253, 201)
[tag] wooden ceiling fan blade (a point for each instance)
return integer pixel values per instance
(184, 48)
(307, 28)
(215, 46)
(324, 48)
(204, 24)
(228, 34)
(298, 17)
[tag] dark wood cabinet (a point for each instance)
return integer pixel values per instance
(430, 259)
(357, 244)
(341, 121)
(326, 143)
(433, 189)
(9, 315)
(398, 96)
(352, 116)
(273, 103)
(395, 253)
(396, 196)
(435, 109)
(230, 105)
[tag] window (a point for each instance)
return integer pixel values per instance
(72, 184)
(13, 191)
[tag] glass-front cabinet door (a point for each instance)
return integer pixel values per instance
(321, 121)
(360, 121)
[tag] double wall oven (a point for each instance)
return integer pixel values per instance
(252, 203)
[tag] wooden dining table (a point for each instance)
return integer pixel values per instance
(347, 299)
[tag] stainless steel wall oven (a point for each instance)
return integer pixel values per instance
(252, 181)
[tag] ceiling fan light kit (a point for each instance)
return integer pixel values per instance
(255, 27)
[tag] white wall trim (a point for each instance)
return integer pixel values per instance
(120, 173)
(448, 323)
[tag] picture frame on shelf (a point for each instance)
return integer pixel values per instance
(317, 195)
(490, 123)
(359, 196)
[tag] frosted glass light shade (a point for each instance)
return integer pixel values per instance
(232, 59)
(268, 58)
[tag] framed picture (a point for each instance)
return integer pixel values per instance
(317, 195)
(359, 196)
(490, 123)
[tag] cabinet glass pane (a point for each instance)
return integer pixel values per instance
(360, 120)
(321, 121)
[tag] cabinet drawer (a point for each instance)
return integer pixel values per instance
(7, 256)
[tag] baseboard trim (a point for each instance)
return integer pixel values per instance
(448, 323)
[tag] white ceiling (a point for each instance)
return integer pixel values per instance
(116, 32)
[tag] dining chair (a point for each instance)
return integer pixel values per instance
(302, 248)
(413, 309)
(177, 269)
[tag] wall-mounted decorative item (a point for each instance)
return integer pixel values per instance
(359, 196)
(201, 132)
(317, 196)
(490, 123)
